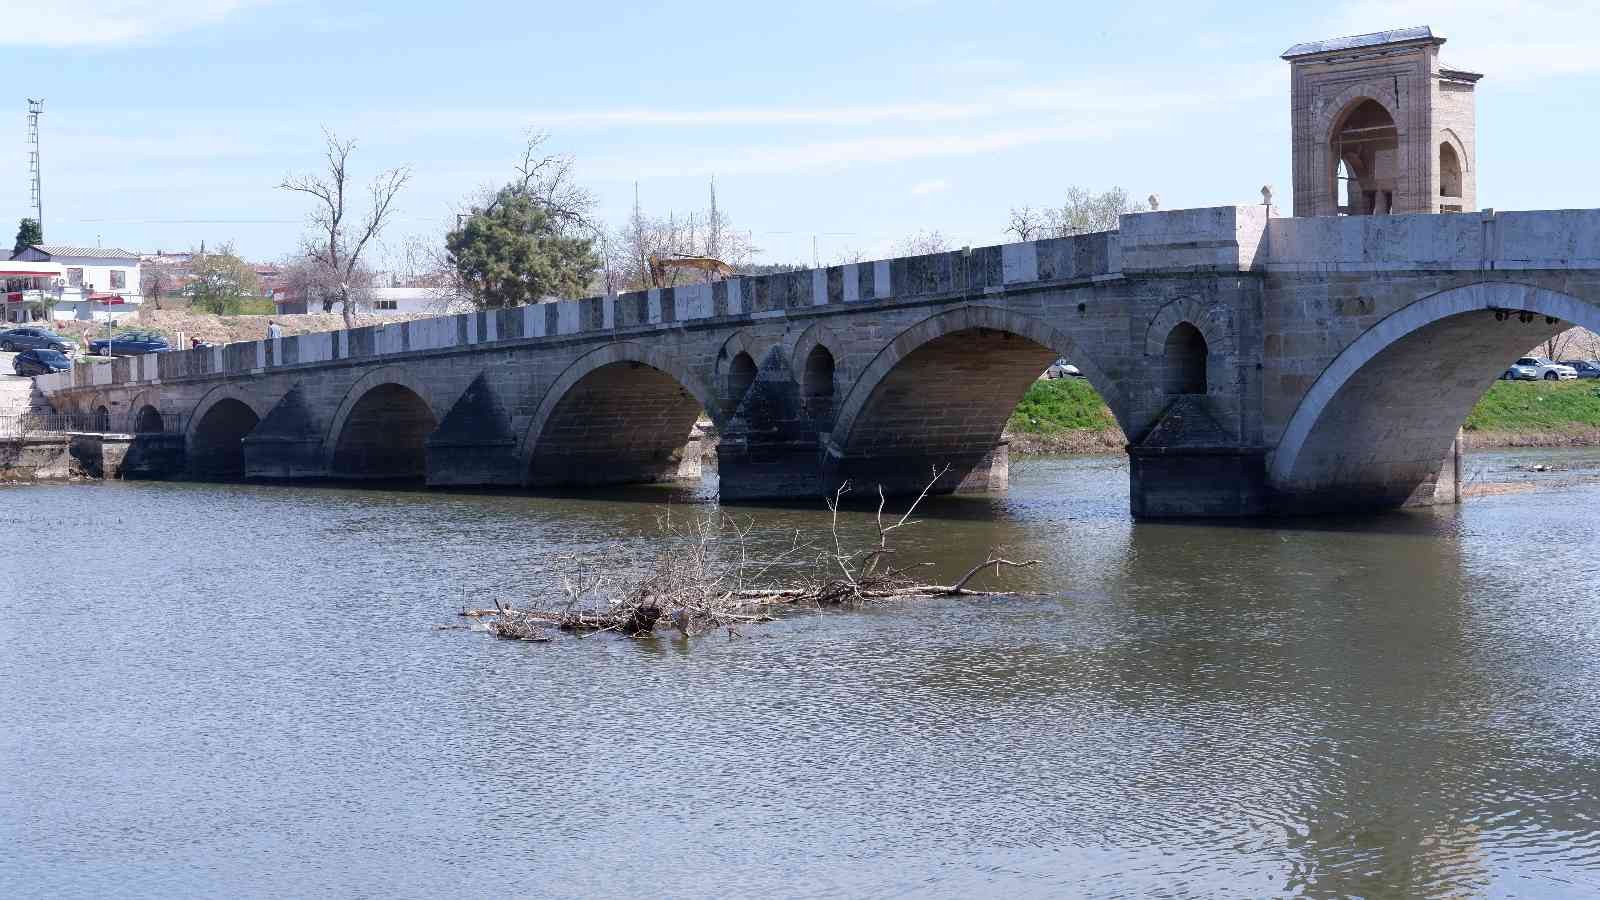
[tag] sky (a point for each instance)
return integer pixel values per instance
(832, 129)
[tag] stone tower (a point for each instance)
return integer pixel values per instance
(1381, 125)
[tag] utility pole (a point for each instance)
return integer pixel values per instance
(35, 108)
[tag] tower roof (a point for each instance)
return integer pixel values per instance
(1420, 34)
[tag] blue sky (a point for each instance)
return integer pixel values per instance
(169, 122)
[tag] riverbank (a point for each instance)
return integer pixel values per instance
(1063, 416)
(1067, 416)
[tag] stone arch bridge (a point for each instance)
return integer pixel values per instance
(1257, 364)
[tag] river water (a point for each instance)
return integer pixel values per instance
(239, 691)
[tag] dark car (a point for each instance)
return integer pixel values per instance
(1587, 368)
(34, 339)
(40, 362)
(131, 343)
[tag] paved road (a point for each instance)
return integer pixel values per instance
(14, 390)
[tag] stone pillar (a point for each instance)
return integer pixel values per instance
(1212, 482)
(992, 475)
(770, 449)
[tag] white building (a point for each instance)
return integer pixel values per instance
(94, 283)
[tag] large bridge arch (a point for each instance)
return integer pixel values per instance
(1376, 424)
(214, 435)
(379, 430)
(617, 415)
(941, 392)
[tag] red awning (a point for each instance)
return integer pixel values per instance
(107, 299)
(26, 273)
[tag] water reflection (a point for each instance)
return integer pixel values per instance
(1392, 706)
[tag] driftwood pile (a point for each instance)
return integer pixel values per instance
(704, 580)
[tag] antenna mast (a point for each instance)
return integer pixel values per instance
(36, 193)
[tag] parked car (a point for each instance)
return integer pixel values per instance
(1533, 368)
(130, 343)
(28, 338)
(40, 362)
(1586, 368)
(1062, 369)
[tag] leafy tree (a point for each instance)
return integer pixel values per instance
(221, 281)
(28, 234)
(515, 251)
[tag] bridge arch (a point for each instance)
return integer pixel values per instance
(737, 364)
(214, 437)
(1365, 435)
(380, 425)
(144, 413)
(620, 414)
(815, 363)
(1212, 354)
(941, 392)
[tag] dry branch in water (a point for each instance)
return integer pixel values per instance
(705, 580)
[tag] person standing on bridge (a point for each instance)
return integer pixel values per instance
(274, 330)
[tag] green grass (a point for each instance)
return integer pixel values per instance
(1069, 404)
(1514, 406)
(256, 306)
(1065, 404)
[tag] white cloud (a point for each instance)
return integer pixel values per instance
(68, 23)
(785, 158)
(931, 186)
(1089, 96)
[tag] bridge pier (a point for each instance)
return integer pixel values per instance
(770, 449)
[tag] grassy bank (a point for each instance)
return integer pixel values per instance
(1536, 414)
(1067, 416)
(1063, 416)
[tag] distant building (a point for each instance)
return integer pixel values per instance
(93, 283)
(381, 300)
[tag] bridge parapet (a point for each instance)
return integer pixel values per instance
(970, 272)
(1490, 241)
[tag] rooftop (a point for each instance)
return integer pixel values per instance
(1417, 34)
(90, 252)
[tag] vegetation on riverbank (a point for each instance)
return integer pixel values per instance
(1067, 416)
(1063, 415)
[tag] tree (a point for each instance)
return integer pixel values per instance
(708, 233)
(1082, 213)
(922, 243)
(153, 284)
(305, 276)
(337, 245)
(28, 233)
(221, 281)
(513, 252)
(1560, 346)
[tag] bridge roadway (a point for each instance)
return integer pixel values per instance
(1258, 364)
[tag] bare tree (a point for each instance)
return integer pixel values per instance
(708, 233)
(922, 243)
(306, 275)
(154, 284)
(1082, 213)
(339, 244)
(1569, 342)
